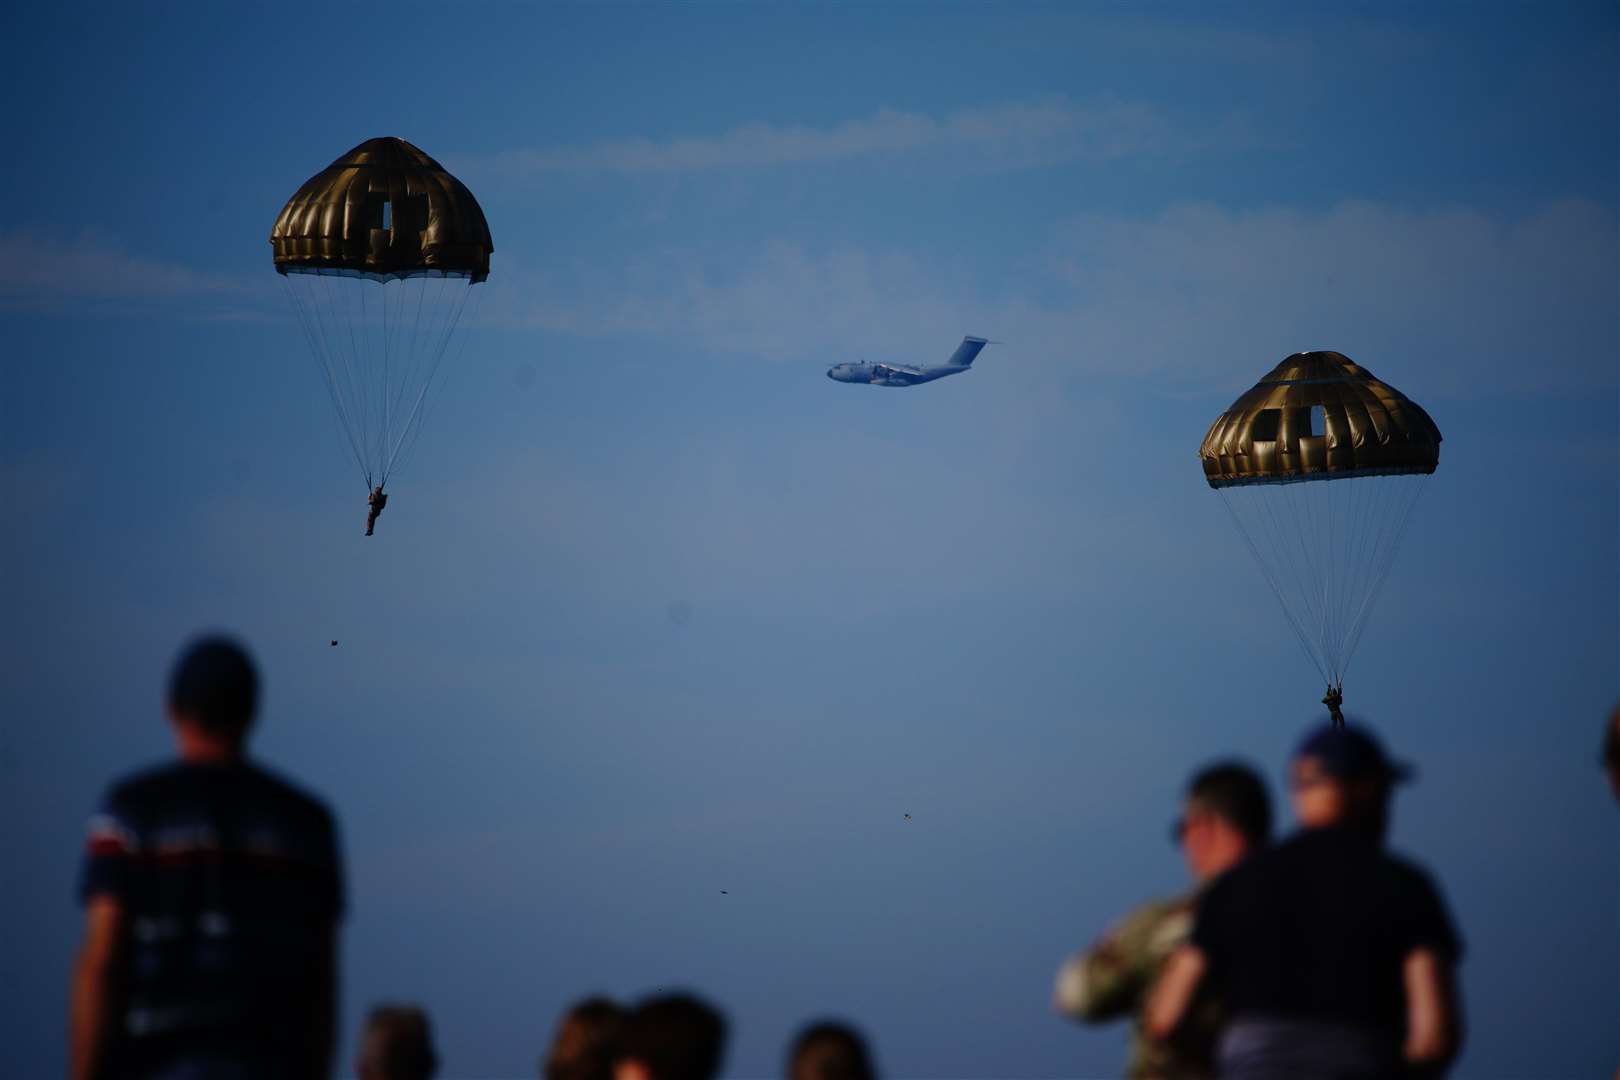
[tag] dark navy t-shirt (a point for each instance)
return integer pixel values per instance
(1317, 928)
(231, 882)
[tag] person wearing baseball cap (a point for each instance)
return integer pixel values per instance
(1333, 957)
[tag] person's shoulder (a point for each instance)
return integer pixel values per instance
(1147, 933)
(1241, 887)
(1418, 898)
(1156, 911)
(1253, 867)
(287, 793)
(144, 785)
(1159, 925)
(1308, 849)
(1408, 873)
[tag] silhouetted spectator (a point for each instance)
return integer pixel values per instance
(673, 1037)
(212, 892)
(1332, 958)
(586, 1043)
(828, 1050)
(1611, 751)
(397, 1045)
(1226, 816)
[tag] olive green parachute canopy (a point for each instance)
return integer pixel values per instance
(1325, 549)
(1364, 427)
(385, 208)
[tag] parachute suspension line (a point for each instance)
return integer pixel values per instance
(320, 351)
(1277, 531)
(357, 360)
(393, 363)
(1326, 549)
(419, 345)
(1338, 517)
(328, 317)
(427, 407)
(381, 355)
(368, 358)
(1313, 564)
(1289, 553)
(317, 353)
(382, 389)
(1267, 571)
(1334, 522)
(1328, 525)
(1378, 554)
(1355, 503)
(398, 355)
(422, 342)
(411, 424)
(1338, 523)
(410, 337)
(407, 350)
(1362, 524)
(1402, 514)
(1310, 577)
(354, 358)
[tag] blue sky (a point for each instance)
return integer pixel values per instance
(658, 610)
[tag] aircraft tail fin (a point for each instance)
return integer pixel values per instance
(965, 352)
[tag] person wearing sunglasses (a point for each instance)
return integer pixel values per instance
(1226, 816)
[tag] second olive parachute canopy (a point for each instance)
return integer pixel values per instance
(1320, 465)
(379, 252)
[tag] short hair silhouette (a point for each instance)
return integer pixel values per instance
(214, 685)
(1236, 794)
(675, 1037)
(829, 1050)
(586, 1042)
(397, 1045)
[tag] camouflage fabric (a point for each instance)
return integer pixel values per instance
(1113, 977)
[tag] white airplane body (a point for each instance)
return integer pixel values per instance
(904, 374)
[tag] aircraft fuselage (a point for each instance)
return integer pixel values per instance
(889, 374)
(904, 374)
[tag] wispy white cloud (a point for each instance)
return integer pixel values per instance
(1196, 290)
(1008, 135)
(43, 271)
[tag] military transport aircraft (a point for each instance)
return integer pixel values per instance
(904, 375)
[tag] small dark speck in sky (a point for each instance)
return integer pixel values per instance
(334, 641)
(908, 816)
(724, 893)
